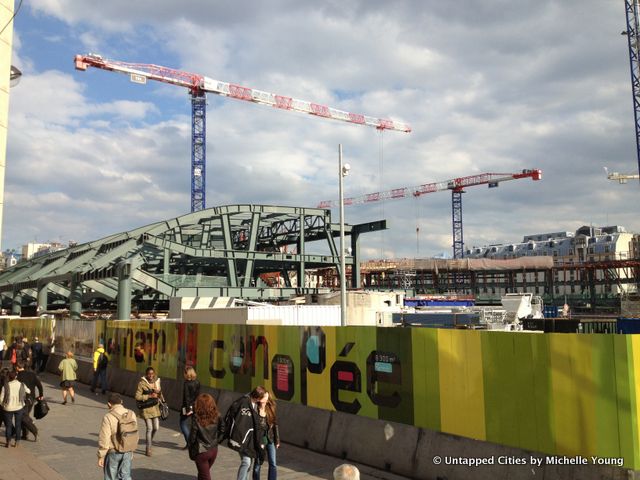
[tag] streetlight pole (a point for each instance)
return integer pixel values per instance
(343, 171)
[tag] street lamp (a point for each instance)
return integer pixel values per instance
(343, 171)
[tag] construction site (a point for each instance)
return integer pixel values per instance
(518, 351)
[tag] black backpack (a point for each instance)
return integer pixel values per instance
(103, 361)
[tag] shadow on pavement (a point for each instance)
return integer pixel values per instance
(75, 440)
(94, 407)
(164, 444)
(148, 474)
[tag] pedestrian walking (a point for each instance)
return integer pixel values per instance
(36, 349)
(206, 430)
(117, 440)
(47, 347)
(13, 395)
(68, 368)
(31, 380)
(100, 364)
(243, 430)
(190, 390)
(147, 395)
(12, 352)
(271, 439)
(25, 353)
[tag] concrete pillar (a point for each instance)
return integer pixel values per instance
(124, 291)
(75, 297)
(43, 297)
(16, 303)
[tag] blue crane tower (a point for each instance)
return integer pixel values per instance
(199, 86)
(632, 7)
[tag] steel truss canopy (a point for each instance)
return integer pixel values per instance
(220, 251)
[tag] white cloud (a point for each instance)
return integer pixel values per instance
(496, 86)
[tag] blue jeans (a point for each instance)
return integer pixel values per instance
(245, 466)
(13, 423)
(271, 458)
(185, 426)
(117, 466)
(99, 376)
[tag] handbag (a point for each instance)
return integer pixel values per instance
(164, 410)
(149, 402)
(194, 449)
(40, 409)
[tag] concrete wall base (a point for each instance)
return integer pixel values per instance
(400, 449)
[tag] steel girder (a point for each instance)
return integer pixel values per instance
(191, 254)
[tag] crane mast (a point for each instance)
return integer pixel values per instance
(456, 185)
(632, 8)
(199, 85)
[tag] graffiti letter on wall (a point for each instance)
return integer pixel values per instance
(159, 335)
(215, 345)
(345, 376)
(313, 356)
(237, 355)
(255, 342)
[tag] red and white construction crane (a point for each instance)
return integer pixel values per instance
(199, 85)
(456, 185)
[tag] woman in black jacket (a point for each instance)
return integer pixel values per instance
(206, 430)
(190, 390)
(244, 430)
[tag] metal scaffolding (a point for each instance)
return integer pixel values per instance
(217, 252)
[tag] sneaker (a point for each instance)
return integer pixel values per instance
(64, 403)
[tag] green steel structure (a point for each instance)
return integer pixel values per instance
(217, 252)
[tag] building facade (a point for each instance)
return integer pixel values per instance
(6, 39)
(569, 250)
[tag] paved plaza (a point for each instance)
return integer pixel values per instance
(67, 444)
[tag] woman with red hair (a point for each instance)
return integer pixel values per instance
(206, 430)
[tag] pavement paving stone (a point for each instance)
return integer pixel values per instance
(68, 438)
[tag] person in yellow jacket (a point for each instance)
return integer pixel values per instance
(100, 363)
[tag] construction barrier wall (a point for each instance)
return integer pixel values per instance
(559, 394)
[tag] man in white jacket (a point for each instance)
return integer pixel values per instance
(12, 396)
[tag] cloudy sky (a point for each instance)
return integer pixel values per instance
(487, 86)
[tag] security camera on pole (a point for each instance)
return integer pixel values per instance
(343, 171)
